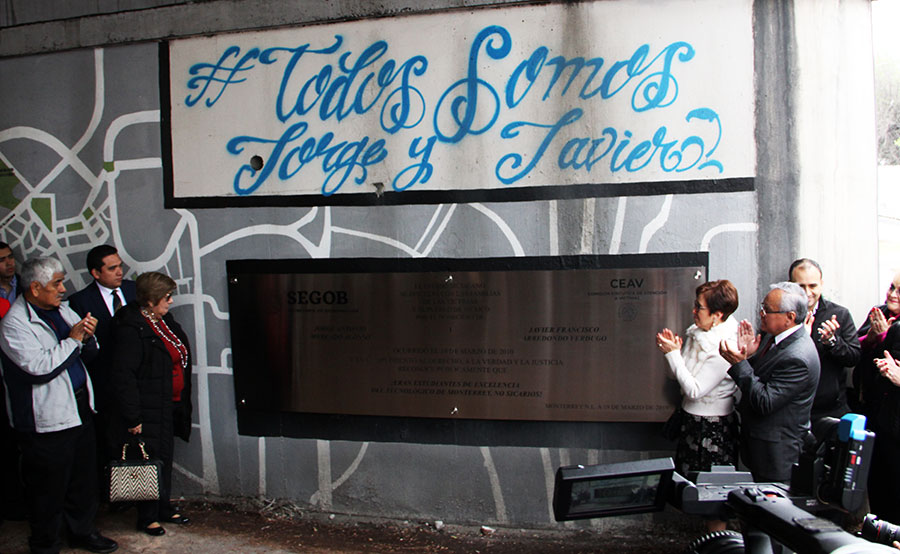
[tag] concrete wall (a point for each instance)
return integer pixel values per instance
(81, 93)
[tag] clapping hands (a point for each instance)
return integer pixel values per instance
(888, 367)
(828, 329)
(747, 344)
(667, 341)
(878, 325)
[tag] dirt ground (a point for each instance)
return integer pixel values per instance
(252, 527)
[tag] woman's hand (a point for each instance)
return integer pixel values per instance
(878, 325)
(667, 341)
(888, 367)
(136, 430)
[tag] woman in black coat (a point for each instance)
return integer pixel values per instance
(876, 380)
(152, 385)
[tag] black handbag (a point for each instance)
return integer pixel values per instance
(134, 480)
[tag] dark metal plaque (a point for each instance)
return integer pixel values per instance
(563, 344)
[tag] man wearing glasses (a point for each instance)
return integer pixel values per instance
(777, 374)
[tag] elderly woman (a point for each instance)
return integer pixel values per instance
(152, 385)
(877, 380)
(709, 433)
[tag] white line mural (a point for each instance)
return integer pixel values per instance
(62, 200)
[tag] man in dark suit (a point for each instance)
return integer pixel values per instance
(777, 375)
(101, 298)
(107, 293)
(834, 335)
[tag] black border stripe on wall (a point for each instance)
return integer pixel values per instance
(548, 191)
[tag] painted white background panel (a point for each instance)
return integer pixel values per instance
(551, 95)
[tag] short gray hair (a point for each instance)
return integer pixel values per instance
(793, 299)
(41, 270)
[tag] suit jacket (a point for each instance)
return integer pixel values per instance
(835, 361)
(89, 299)
(777, 391)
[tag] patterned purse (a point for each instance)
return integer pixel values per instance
(134, 480)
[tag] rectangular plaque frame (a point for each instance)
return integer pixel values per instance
(422, 389)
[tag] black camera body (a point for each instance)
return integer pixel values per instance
(828, 480)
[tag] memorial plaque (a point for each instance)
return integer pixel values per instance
(515, 341)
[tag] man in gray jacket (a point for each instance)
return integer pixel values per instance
(42, 347)
(777, 375)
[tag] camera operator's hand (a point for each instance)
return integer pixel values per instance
(897, 545)
(888, 367)
(667, 341)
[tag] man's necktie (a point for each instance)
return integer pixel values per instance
(117, 302)
(769, 344)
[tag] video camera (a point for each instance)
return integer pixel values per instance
(828, 480)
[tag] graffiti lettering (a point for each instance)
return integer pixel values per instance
(583, 153)
(203, 82)
(463, 108)
(424, 122)
(351, 86)
(656, 90)
(338, 161)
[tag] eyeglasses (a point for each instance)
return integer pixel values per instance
(169, 296)
(765, 311)
(698, 307)
(893, 289)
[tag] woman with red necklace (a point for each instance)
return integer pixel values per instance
(152, 385)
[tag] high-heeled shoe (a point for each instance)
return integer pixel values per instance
(152, 531)
(177, 519)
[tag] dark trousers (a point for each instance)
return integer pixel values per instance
(12, 493)
(59, 470)
(884, 478)
(162, 509)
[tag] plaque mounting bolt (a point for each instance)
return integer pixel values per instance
(449, 279)
(454, 411)
(697, 275)
(234, 280)
(243, 401)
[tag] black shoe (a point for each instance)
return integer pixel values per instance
(95, 542)
(152, 531)
(178, 519)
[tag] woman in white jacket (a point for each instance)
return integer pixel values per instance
(709, 429)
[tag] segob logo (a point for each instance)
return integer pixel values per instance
(317, 297)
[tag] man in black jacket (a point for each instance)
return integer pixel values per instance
(106, 294)
(834, 334)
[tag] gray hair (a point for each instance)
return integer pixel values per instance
(41, 270)
(793, 299)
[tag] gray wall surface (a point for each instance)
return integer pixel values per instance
(80, 126)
